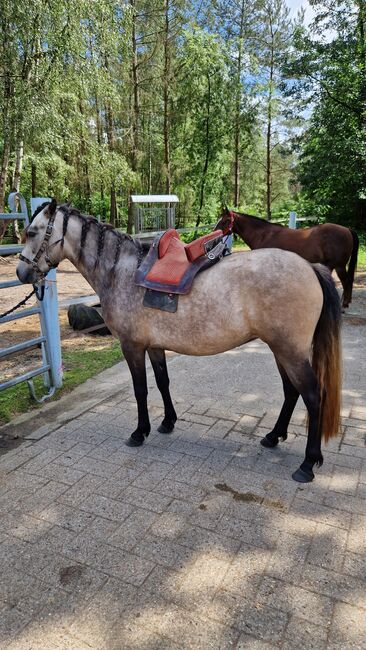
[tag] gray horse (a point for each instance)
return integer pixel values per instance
(269, 294)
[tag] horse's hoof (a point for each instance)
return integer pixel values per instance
(131, 442)
(303, 477)
(268, 443)
(166, 428)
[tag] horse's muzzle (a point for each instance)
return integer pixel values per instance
(26, 274)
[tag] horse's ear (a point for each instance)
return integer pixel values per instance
(51, 208)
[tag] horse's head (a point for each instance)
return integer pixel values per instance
(42, 250)
(225, 223)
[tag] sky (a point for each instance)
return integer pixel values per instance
(295, 5)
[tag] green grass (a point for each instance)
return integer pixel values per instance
(239, 245)
(79, 365)
(361, 260)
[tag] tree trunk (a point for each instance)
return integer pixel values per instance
(149, 177)
(85, 181)
(167, 65)
(99, 139)
(3, 173)
(269, 133)
(135, 110)
(110, 137)
(34, 178)
(269, 164)
(113, 216)
(238, 112)
(207, 156)
(114, 210)
(18, 166)
(360, 215)
(16, 186)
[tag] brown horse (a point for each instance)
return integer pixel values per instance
(328, 244)
(235, 301)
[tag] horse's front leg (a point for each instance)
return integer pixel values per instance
(135, 357)
(158, 362)
(280, 428)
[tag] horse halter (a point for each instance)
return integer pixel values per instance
(44, 247)
(229, 229)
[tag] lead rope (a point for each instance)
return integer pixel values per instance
(39, 295)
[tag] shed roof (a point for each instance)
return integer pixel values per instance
(154, 198)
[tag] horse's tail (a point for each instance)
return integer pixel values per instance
(352, 265)
(327, 361)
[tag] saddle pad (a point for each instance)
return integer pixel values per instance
(161, 300)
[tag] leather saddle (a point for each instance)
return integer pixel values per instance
(171, 265)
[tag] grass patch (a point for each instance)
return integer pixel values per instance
(361, 259)
(79, 365)
(239, 245)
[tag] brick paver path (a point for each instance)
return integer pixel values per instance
(200, 539)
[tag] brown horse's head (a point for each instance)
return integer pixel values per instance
(226, 221)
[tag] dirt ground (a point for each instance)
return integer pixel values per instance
(71, 284)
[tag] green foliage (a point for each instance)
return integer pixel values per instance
(109, 98)
(332, 67)
(204, 121)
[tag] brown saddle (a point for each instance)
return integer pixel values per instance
(171, 265)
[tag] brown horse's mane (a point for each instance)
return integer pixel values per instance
(257, 221)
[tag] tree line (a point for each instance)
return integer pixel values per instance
(221, 101)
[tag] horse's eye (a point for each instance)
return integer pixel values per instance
(31, 233)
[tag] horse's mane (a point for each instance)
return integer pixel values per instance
(101, 228)
(40, 208)
(258, 221)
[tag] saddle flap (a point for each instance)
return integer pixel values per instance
(198, 247)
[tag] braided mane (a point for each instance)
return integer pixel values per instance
(87, 223)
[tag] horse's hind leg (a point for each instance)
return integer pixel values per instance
(158, 362)
(135, 357)
(280, 428)
(343, 276)
(303, 378)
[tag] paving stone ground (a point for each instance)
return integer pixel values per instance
(199, 539)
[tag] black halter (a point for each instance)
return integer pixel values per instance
(44, 248)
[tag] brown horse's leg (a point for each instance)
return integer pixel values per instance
(342, 274)
(158, 362)
(135, 357)
(280, 428)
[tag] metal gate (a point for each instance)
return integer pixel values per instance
(49, 339)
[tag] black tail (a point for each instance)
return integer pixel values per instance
(327, 360)
(352, 265)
